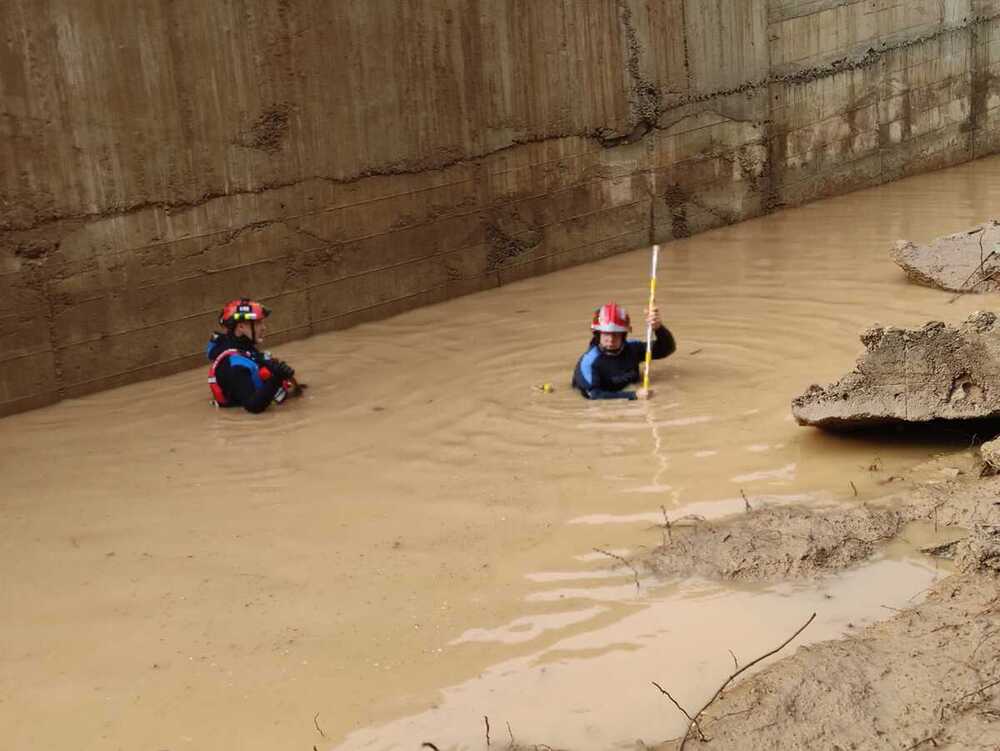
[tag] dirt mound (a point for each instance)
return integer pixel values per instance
(926, 679)
(913, 375)
(964, 262)
(774, 543)
(929, 678)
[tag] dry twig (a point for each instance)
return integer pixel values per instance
(693, 720)
(486, 719)
(963, 697)
(624, 561)
(932, 739)
(316, 723)
(977, 270)
(746, 504)
(736, 663)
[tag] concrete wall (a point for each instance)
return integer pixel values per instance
(345, 160)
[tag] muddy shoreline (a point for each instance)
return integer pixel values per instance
(929, 677)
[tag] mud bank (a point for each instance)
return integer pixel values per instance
(961, 262)
(776, 543)
(927, 678)
(937, 372)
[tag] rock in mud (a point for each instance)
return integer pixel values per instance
(990, 452)
(967, 261)
(980, 551)
(938, 372)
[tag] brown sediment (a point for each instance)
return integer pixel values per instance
(936, 372)
(927, 676)
(774, 544)
(783, 542)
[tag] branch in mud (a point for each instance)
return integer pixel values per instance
(316, 723)
(965, 696)
(736, 663)
(932, 739)
(693, 719)
(625, 562)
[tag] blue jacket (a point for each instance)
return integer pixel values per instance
(600, 375)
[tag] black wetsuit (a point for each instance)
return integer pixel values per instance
(600, 375)
(238, 375)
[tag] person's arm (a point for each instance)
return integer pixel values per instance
(602, 394)
(242, 390)
(663, 341)
(664, 344)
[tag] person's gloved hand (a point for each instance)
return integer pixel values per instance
(280, 369)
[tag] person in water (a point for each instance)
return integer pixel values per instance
(240, 374)
(612, 362)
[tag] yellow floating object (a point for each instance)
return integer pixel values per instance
(546, 387)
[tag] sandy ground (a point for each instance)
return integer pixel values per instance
(927, 678)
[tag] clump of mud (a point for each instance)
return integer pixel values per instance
(790, 542)
(775, 543)
(980, 551)
(966, 261)
(937, 372)
(990, 452)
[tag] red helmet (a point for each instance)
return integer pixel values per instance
(611, 318)
(244, 309)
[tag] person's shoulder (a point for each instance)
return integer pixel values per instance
(590, 355)
(214, 347)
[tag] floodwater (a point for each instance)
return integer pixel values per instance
(410, 548)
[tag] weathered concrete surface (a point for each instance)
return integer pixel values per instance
(346, 161)
(963, 262)
(937, 372)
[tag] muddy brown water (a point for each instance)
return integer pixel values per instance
(410, 547)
